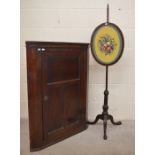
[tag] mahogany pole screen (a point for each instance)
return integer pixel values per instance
(107, 44)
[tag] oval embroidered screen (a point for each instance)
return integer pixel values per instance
(107, 43)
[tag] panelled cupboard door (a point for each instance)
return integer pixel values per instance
(62, 108)
(63, 81)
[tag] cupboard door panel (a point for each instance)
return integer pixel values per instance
(71, 104)
(54, 109)
(62, 68)
(61, 83)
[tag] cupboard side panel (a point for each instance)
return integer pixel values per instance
(34, 79)
(83, 83)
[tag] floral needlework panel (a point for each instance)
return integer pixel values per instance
(107, 43)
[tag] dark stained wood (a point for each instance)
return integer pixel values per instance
(57, 91)
(34, 97)
(56, 45)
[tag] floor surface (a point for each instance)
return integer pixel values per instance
(89, 142)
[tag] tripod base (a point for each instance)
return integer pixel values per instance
(105, 118)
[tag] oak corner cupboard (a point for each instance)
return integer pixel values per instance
(57, 91)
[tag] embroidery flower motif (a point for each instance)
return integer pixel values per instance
(107, 44)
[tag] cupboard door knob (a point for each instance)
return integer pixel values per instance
(45, 98)
(43, 49)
